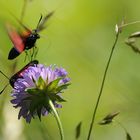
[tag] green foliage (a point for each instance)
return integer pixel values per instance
(78, 37)
(128, 136)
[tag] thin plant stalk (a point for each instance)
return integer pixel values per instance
(102, 87)
(121, 125)
(119, 28)
(57, 119)
(130, 23)
(128, 136)
(23, 10)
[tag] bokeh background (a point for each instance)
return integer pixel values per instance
(78, 37)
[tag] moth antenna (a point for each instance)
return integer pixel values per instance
(4, 88)
(42, 21)
(4, 75)
(39, 22)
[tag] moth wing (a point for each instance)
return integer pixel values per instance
(16, 39)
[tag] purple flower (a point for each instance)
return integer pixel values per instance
(39, 84)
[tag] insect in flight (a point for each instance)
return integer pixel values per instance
(25, 40)
(17, 75)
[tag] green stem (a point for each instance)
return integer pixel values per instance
(130, 23)
(57, 119)
(23, 10)
(102, 86)
(121, 126)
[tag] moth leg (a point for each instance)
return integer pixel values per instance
(36, 51)
(25, 55)
(32, 54)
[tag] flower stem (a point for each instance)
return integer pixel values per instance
(57, 119)
(102, 86)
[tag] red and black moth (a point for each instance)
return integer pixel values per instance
(17, 75)
(26, 39)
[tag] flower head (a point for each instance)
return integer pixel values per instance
(36, 86)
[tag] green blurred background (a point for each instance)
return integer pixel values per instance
(78, 37)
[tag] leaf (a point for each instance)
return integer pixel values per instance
(135, 35)
(39, 112)
(41, 83)
(46, 105)
(131, 42)
(78, 130)
(34, 91)
(60, 88)
(108, 119)
(128, 136)
(32, 107)
(35, 103)
(52, 85)
(57, 98)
